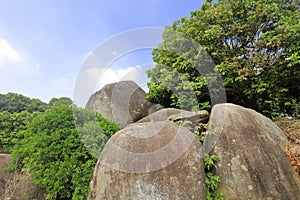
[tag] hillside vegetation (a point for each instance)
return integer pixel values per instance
(250, 46)
(59, 144)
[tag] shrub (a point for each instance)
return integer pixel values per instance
(55, 154)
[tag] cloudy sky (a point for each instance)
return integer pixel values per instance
(46, 44)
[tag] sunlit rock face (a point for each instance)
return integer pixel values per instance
(122, 102)
(152, 161)
(252, 162)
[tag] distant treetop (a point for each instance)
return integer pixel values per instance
(12, 102)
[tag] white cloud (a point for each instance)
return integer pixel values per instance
(111, 76)
(12, 63)
(7, 53)
(17, 72)
(107, 76)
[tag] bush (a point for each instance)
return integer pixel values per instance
(12, 126)
(55, 154)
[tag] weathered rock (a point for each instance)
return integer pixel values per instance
(151, 161)
(194, 117)
(173, 114)
(16, 185)
(160, 115)
(122, 102)
(253, 164)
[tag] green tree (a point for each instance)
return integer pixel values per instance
(254, 45)
(12, 126)
(60, 101)
(12, 102)
(93, 130)
(54, 152)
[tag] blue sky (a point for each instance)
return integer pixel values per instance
(44, 43)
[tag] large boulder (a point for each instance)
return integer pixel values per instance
(122, 102)
(253, 164)
(151, 161)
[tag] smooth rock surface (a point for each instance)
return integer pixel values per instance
(253, 164)
(151, 161)
(173, 114)
(122, 102)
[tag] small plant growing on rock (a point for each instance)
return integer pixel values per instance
(212, 181)
(199, 130)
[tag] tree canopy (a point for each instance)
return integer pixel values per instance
(255, 46)
(17, 111)
(12, 126)
(59, 150)
(58, 142)
(12, 102)
(60, 101)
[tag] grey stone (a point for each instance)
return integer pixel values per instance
(253, 164)
(152, 161)
(122, 102)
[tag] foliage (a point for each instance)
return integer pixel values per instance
(12, 102)
(82, 116)
(255, 45)
(99, 130)
(199, 130)
(60, 101)
(12, 126)
(211, 181)
(107, 126)
(209, 161)
(56, 155)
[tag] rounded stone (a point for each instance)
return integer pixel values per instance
(156, 161)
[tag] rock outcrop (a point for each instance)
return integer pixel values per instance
(17, 185)
(151, 161)
(122, 102)
(253, 164)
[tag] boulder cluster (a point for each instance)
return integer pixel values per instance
(154, 158)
